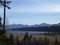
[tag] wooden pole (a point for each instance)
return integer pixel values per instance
(4, 16)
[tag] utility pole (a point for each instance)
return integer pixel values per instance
(4, 20)
(4, 16)
(3, 3)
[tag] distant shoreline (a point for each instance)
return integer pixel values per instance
(30, 32)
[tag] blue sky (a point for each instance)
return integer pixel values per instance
(33, 12)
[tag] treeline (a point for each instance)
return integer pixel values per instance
(27, 40)
(40, 28)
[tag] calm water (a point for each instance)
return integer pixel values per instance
(23, 32)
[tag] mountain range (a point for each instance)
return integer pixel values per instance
(36, 25)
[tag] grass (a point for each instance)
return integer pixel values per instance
(50, 37)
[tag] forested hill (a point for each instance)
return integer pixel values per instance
(52, 28)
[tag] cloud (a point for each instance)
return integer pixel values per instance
(52, 8)
(34, 6)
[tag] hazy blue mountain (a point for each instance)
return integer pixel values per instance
(44, 27)
(42, 24)
(56, 24)
(36, 25)
(16, 26)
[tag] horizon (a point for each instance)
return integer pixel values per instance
(33, 12)
(33, 24)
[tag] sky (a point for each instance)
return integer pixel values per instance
(33, 12)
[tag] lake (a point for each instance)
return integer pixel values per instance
(23, 32)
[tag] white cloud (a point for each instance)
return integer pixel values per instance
(53, 8)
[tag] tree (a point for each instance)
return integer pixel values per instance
(35, 41)
(0, 22)
(56, 41)
(46, 41)
(1, 27)
(11, 39)
(17, 41)
(40, 41)
(26, 39)
(26, 36)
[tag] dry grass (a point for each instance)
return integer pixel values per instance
(50, 37)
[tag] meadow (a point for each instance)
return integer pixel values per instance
(31, 39)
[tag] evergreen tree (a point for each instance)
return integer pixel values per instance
(0, 22)
(56, 41)
(11, 39)
(26, 39)
(1, 27)
(17, 41)
(30, 37)
(26, 36)
(46, 41)
(34, 41)
(40, 41)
